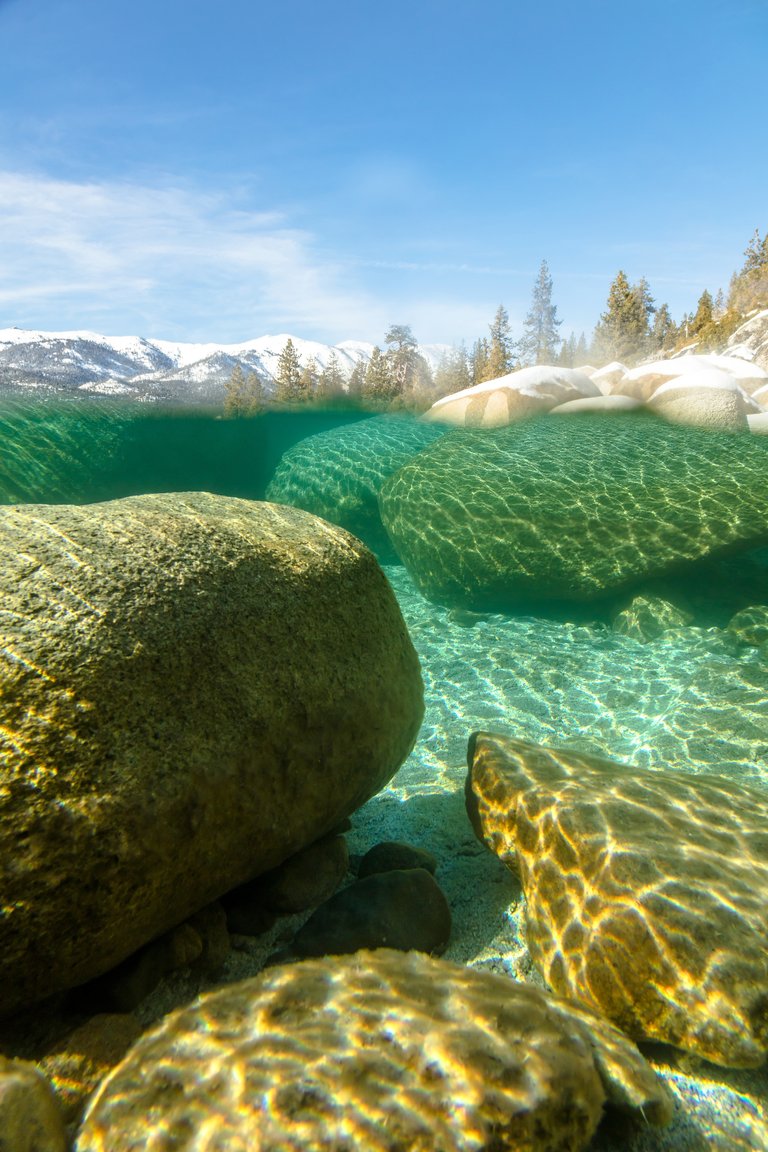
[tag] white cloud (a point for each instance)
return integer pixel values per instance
(165, 261)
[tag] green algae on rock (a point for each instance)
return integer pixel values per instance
(376, 1052)
(572, 509)
(194, 687)
(338, 474)
(646, 892)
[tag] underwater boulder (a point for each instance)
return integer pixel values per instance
(401, 908)
(193, 687)
(750, 625)
(572, 509)
(338, 474)
(384, 1050)
(647, 617)
(30, 1117)
(646, 892)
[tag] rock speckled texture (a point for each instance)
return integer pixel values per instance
(30, 1117)
(646, 892)
(194, 687)
(378, 1052)
(573, 508)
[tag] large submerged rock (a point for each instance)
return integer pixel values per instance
(193, 687)
(338, 474)
(572, 509)
(382, 1050)
(646, 892)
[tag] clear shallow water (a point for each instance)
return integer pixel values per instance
(690, 701)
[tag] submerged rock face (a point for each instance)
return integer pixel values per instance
(194, 687)
(338, 474)
(30, 1118)
(646, 892)
(379, 1051)
(648, 616)
(573, 508)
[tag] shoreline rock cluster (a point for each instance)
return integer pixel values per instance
(724, 393)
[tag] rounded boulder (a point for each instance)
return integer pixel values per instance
(194, 687)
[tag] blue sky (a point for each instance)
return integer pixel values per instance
(223, 169)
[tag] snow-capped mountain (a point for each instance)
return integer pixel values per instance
(86, 363)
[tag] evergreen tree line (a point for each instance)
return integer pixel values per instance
(396, 376)
(632, 328)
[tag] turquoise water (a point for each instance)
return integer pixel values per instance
(691, 699)
(80, 452)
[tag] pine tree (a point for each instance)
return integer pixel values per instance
(478, 360)
(409, 371)
(581, 355)
(356, 384)
(308, 381)
(540, 340)
(645, 309)
(243, 395)
(702, 317)
(567, 355)
(452, 373)
(756, 252)
(234, 389)
(330, 386)
(401, 354)
(622, 333)
(501, 348)
(379, 385)
(749, 286)
(719, 307)
(663, 331)
(288, 377)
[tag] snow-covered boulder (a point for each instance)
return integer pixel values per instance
(526, 392)
(750, 341)
(707, 398)
(608, 376)
(641, 382)
(597, 404)
(758, 423)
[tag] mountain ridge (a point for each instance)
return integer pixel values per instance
(84, 363)
(81, 363)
